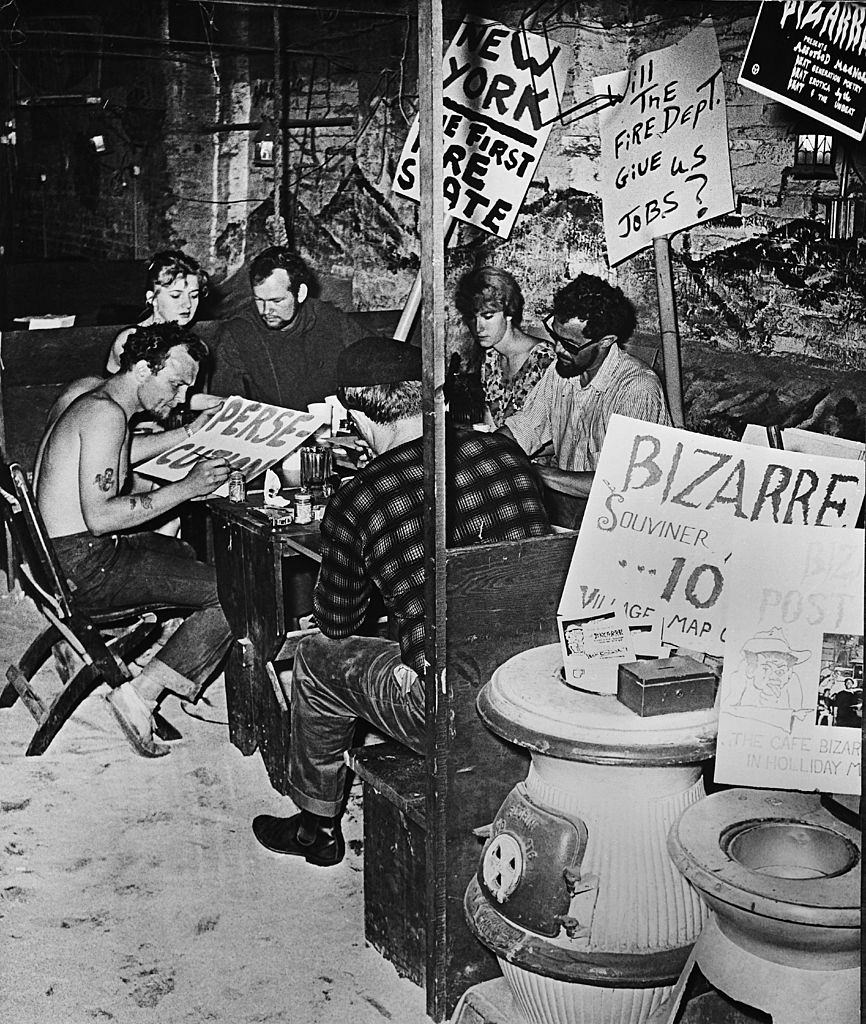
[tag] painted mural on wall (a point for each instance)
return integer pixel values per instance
(767, 279)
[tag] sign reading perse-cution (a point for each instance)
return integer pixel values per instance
(811, 56)
(655, 540)
(501, 94)
(250, 436)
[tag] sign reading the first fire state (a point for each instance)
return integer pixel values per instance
(655, 541)
(501, 94)
(811, 56)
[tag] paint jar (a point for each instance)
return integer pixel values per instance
(303, 507)
(237, 486)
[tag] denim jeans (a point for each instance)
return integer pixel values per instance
(334, 683)
(120, 571)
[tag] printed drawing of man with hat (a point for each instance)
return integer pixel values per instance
(770, 690)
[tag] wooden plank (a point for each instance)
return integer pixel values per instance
(431, 227)
(395, 772)
(502, 599)
(395, 884)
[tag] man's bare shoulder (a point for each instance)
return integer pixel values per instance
(92, 412)
(72, 391)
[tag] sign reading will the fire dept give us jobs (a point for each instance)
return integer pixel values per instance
(811, 56)
(664, 148)
(501, 94)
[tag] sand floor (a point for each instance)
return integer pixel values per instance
(133, 890)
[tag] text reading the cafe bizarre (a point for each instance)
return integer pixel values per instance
(664, 149)
(799, 604)
(501, 94)
(656, 535)
(250, 436)
(811, 56)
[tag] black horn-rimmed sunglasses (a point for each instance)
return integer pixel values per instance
(572, 346)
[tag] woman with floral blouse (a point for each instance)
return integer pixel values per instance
(491, 304)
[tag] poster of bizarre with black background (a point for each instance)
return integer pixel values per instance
(812, 57)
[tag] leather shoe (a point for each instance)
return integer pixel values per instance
(280, 835)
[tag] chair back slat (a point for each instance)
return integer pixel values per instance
(39, 571)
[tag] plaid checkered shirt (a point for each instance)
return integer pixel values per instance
(372, 530)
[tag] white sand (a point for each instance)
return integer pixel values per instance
(133, 890)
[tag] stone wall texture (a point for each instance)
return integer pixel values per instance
(765, 281)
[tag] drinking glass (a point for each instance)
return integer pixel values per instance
(316, 467)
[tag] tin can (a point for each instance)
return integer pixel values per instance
(237, 486)
(303, 507)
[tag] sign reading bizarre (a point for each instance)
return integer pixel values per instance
(811, 56)
(250, 436)
(656, 538)
(664, 148)
(501, 94)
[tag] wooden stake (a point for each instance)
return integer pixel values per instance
(669, 329)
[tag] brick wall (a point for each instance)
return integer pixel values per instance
(201, 190)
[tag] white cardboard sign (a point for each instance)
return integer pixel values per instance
(502, 90)
(794, 629)
(250, 436)
(664, 148)
(656, 537)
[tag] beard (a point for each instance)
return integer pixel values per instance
(567, 369)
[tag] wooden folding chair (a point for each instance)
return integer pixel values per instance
(101, 656)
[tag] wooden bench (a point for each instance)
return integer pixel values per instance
(420, 815)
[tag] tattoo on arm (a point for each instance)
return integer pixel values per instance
(145, 499)
(105, 481)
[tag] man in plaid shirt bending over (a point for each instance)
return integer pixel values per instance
(372, 539)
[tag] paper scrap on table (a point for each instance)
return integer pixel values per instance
(273, 498)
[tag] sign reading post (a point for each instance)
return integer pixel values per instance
(501, 93)
(656, 538)
(791, 707)
(664, 148)
(811, 56)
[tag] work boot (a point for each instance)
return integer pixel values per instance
(318, 840)
(135, 716)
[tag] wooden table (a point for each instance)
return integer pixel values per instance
(265, 576)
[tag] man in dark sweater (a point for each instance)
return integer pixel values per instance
(373, 540)
(282, 347)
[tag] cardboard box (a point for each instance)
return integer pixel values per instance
(666, 686)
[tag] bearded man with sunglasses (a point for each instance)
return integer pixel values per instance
(566, 414)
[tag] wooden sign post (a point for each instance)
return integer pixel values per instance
(664, 165)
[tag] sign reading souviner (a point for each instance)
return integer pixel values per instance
(501, 94)
(811, 56)
(655, 542)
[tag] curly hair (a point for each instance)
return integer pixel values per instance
(279, 257)
(384, 403)
(154, 342)
(166, 266)
(603, 306)
(487, 289)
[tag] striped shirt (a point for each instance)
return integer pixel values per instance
(373, 529)
(575, 418)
